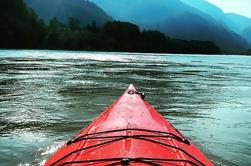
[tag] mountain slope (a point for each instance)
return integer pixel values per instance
(175, 19)
(196, 27)
(241, 21)
(247, 33)
(206, 8)
(237, 23)
(242, 25)
(145, 13)
(83, 10)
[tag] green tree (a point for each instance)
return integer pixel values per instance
(94, 26)
(249, 52)
(57, 34)
(155, 41)
(74, 24)
(121, 30)
(19, 27)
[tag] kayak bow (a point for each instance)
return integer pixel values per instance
(129, 132)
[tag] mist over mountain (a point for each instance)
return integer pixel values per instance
(177, 19)
(237, 23)
(83, 10)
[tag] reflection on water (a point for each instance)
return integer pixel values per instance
(47, 96)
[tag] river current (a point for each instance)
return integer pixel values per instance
(47, 96)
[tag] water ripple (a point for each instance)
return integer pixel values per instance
(47, 96)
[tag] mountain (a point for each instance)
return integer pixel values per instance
(247, 33)
(176, 19)
(85, 11)
(237, 23)
(206, 8)
(242, 25)
(146, 13)
(241, 21)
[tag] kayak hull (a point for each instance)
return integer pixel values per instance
(129, 131)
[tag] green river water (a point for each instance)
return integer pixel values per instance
(47, 96)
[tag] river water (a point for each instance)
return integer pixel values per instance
(47, 96)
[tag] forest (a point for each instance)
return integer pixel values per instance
(21, 28)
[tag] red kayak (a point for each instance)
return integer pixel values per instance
(129, 132)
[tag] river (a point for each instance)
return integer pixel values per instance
(47, 96)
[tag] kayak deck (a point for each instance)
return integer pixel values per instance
(129, 132)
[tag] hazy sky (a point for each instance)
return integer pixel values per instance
(242, 7)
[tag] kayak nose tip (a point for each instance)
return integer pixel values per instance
(131, 88)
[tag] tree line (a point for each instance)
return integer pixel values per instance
(21, 28)
(249, 52)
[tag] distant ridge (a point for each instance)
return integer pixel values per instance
(176, 19)
(242, 25)
(235, 22)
